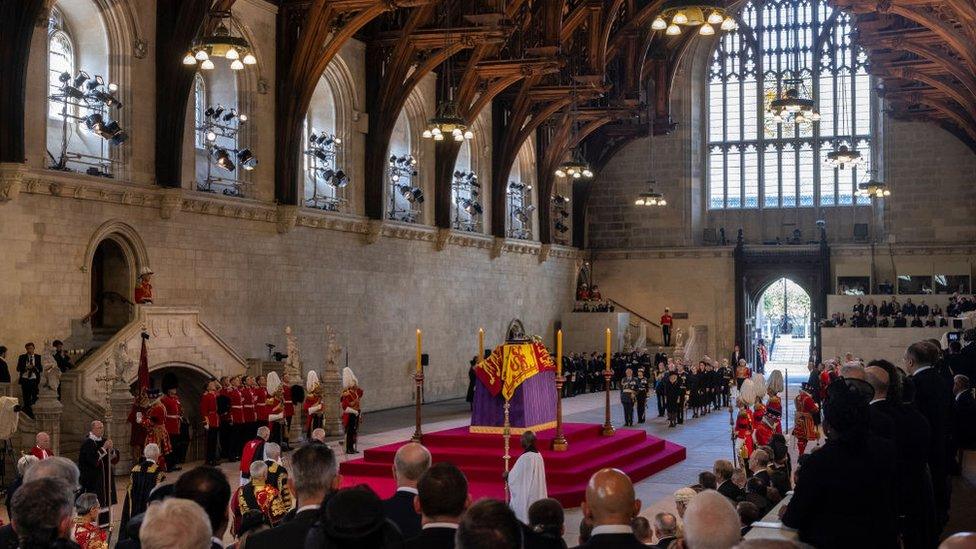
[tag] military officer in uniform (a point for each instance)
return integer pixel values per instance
(643, 386)
(628, 392)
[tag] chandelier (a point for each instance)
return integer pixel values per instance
(844, 157)
(574, 169)
(794, 105)
(704, 14)
(447, 122)
(220, 43)
(873, 189)
(650, 198)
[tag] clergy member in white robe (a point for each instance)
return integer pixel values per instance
(527, 479)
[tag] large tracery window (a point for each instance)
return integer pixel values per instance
(753, 162)
(60, 59)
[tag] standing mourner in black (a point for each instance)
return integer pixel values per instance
(95, 460)
(4, 370)
(62, 359)
(674, 392)
(725, 384)
(144, 476)
(628, 393)
(933, 397)
(660, 376)
(642, 389)
(29, 373)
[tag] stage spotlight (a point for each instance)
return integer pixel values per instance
(328, 175)
(222, 158)
(515, 186)
(560, 200)
(561, 227)
(64, 78)
(230, 115)
(105, 97)
(563, 213)
(340, 179)
(246, 159)
(471, 206)
(216, 112)
(80, 79)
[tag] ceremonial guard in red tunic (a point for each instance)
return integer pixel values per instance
(313, 404)
(175, 423)
(351, 402)
(743, 429)
(236, 415)
(758, 409)
(153, 422)
(250, 407)
(257, 495)
(211, 421)
(742, 372)
(807, 420)
(137, 435)
(260, 393)
(288, 399)
(274, 407)
(774, 387)
(144, 289)
(769, 426)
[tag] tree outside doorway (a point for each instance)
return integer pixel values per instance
(783, 321)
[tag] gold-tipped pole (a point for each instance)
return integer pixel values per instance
(608, 429)
(507, 457)
(559, 444)
(418, 378)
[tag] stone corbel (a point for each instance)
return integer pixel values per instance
(170, 203)
(11, 178)
(374, 229)
(287, 216)
(544, 252)
(496, 247)
(440, 241)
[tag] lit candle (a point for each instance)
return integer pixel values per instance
(559, 352)
(481, 345)
(419, 345)
(608, 349)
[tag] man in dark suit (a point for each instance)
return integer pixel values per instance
(611, 504)
(665, 530)
(29, 376)
(208, 487)
(723, 474)
(442, 497)
(963, 419)
(489, 522)
(933, 398)
(410, 462)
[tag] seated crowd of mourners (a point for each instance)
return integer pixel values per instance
(893, 314)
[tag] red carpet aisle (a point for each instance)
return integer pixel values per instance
(480, 457)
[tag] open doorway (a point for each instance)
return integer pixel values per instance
(191, 385)
(112, 279)
(783, 322)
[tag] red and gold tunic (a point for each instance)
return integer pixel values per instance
(806, 427)
(144, 293)
(351, 398)
(274, 406)
(765, 431)
(208, 410)
(758, 413)
(287, 402)
(743, 372)
(257, 496)
(88, 535)
(743, 431)
(174, 413)
(154, 424)
(313, 410)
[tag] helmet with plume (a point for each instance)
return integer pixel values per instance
(348, 378)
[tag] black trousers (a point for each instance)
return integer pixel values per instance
(628, 411)
(211, 444)
(28, 388)
(666, 332)
(226, 440)
(352, 432)
(641, 407)
(660, 403)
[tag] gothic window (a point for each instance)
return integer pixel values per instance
(199, 108)
(754, 162)
(60, 58)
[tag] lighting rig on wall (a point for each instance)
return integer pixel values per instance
(88, 100)
(520, 210)
(402, 171)
(224, 124)
(560, 216)
(465, 189)
(322, 149)
(795, 104)
(704, 14)
(220, 43)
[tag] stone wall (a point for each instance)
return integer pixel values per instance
(249, 281)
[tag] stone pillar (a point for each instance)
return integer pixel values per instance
(47, 417)
(331, 385)
(119, 428)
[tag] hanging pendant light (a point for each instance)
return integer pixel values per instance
(447, 123)
(650, 198)
(220, 43)
(705, 14)
(844, 157)
(873, 189)
(574, 169)
(794, 105)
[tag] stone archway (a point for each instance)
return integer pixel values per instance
(114, 255)
(192, 383)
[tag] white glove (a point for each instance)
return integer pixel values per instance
(351, 411)
(275, 417)
(315, 409)
(138, 417)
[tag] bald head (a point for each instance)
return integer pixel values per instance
(877, 377)
(410, 462)
(610, 498)
(852, 371)
(961, 540)
(711, 522)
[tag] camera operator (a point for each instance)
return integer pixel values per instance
(63, 359)
(29, 369)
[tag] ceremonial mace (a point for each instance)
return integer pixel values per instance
(418, 378)
(108, 379)
(559, 443)
(608, 430)
(786, 404)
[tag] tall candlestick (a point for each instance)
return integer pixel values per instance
(418, 434)
(607, 373)
(481, 345)
(420, 339)
(559, 443)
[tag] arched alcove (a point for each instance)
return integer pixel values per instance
(111, 287)
(192, 383)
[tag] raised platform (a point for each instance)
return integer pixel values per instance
(480, 457)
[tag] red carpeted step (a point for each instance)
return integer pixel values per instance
(479, 456)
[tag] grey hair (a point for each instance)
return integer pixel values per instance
(175, 523)
(259, 469)
(313, 469)
(57, 467)
(272, 450)
(711, 522)
(85, 503)
(151, 451)
(411, 470)
(38, 508)
(264, 432)
(666, 524)
(25, 463)
(318, 434)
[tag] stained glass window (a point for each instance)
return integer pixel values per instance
(753, 162)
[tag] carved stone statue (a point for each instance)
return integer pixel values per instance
(332, 384)
(120, 357)
(293, 364)
(50, 373)
(334, 350)
(679, 338)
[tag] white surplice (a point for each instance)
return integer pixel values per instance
(527, 483)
